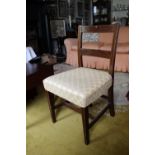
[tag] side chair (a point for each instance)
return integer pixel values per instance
(80, 87)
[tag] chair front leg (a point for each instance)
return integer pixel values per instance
(51, 104)
(85, 124)
(111, 101)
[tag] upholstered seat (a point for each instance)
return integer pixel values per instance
(81, 86)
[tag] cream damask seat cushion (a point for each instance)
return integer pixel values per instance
(80, 86)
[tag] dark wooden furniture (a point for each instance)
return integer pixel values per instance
(99, 53)
(127, 95)
(101, 12)
(35, 73)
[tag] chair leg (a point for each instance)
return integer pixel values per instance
(111, 102)
(85, 125)
(127, 95)
(51, 105)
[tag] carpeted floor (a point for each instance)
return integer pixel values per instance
(109, 136)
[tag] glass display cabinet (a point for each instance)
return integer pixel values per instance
(101, 11)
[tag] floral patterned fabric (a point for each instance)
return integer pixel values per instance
(90, 37)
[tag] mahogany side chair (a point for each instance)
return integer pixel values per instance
(81, 86)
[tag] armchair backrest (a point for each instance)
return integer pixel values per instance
(123, 36)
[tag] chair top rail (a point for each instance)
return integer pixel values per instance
(97, 29)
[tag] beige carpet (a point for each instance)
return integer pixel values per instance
(108, 137)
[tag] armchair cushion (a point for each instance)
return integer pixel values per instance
(92, 45)
(88, 45)
(123, 48)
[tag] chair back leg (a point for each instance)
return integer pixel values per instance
(111, 101)
(85, 124)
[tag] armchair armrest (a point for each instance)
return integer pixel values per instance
(69, 42)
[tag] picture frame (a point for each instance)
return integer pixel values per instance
(58, 28)
(62, 9)
(52, 9)
(80, 9)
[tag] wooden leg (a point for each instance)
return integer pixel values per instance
(85, 125)
(51, 105)
(111, 102)
(127, 95)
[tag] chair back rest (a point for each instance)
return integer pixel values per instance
(108, 54)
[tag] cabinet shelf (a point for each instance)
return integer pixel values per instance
(101, 12)
(119, 10)
(105, 15)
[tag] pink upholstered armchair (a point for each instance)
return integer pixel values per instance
(122, 55)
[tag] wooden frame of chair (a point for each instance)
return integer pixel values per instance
(99, 53)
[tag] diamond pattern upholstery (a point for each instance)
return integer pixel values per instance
(81, 86)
